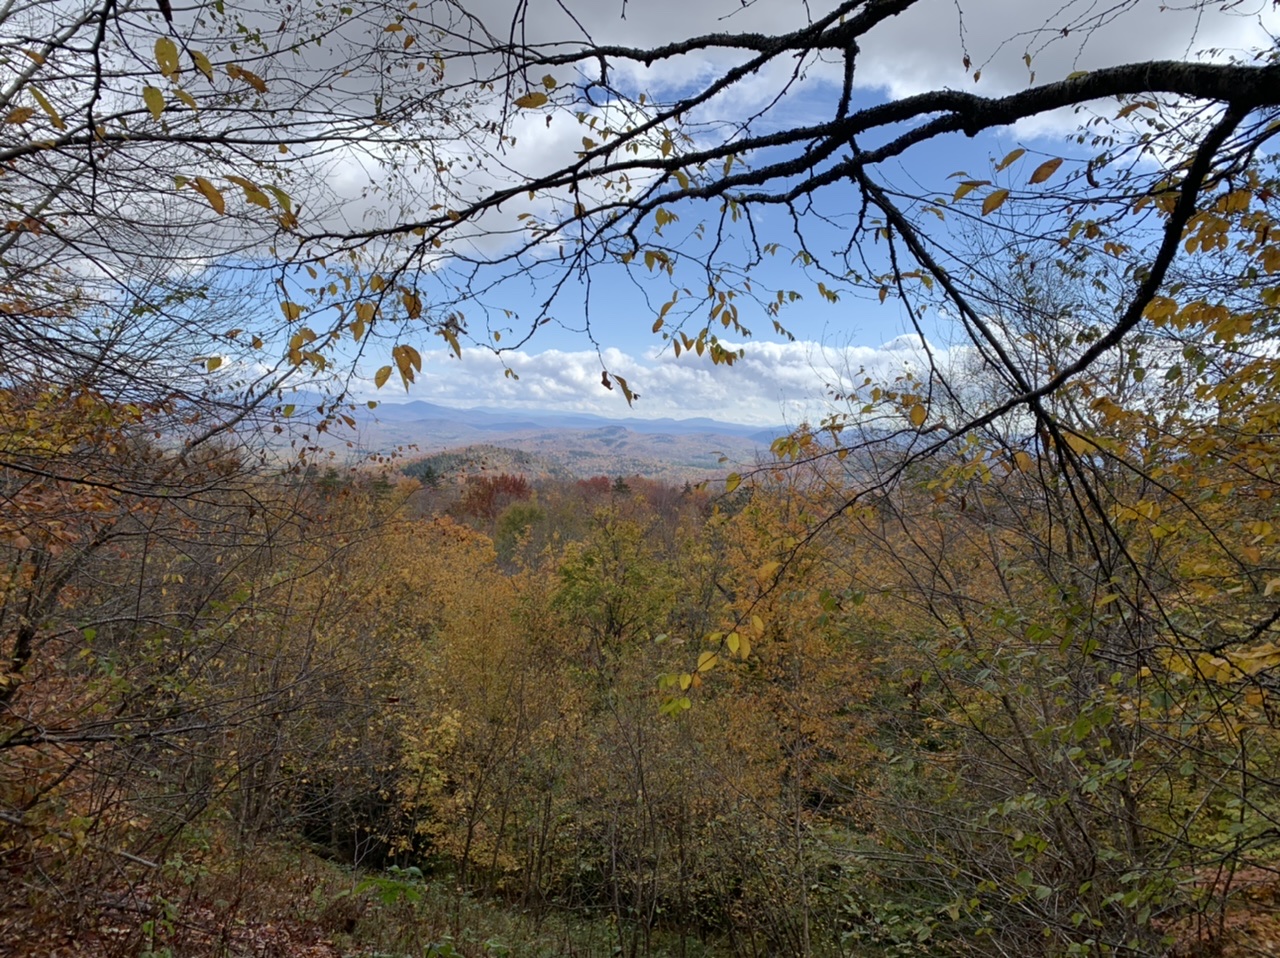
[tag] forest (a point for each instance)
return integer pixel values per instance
(982, 659)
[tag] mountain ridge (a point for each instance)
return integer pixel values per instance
(580, 444)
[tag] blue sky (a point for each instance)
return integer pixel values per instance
(781, 381)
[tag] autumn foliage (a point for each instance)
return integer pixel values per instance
(985, 661)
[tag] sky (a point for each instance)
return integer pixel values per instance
(781, 381)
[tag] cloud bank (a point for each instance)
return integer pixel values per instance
(774, 383)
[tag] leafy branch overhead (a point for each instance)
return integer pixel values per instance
(648, 166)
(257, 114)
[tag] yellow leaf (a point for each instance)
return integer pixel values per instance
(408, 362)
(627, 393)
(1023, 461)
(202, 63)
(1160, 309)
(918, 415)
(237, 72)
(154, 100)
(212, 363)
(291, 310)
(732, 481)
(188, 99)
(255, 196)
(21, 115)
(210, 193)
(1011, 158)
(744, 646)
(365, 312)
(381, 376)
(167, 58)
(531, 100)
(707, 661)
(685, 681)
(733, 642)
(1079, 444)
(766, 572)
(757, 623)
(994, 201)
(1131, 107)
(549, 82)
(1271, 260)
(1045, 170)
(45, 105)
(966, 186)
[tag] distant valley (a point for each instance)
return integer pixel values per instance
(564, 445)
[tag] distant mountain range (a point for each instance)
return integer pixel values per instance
(431, 416)
(572, 444)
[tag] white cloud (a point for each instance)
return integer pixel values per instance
(773, 383)
(921, 49)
